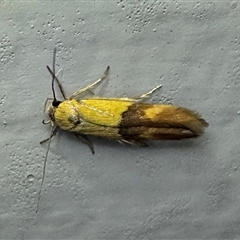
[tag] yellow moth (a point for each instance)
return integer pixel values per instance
(124, 119)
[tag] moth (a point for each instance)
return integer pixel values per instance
(128, 120)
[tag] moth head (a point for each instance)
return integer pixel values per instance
(52, 109)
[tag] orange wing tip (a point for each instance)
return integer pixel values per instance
(198, 124)
(160, 122)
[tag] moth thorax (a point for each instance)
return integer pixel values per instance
(74, 118)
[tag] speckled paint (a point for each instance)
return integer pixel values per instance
(187, 189)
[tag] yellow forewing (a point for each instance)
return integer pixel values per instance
(106, 112)
(94, 116)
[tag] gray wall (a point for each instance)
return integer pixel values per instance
(186, 189)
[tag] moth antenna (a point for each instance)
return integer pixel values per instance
(55, 102)
(59, 84)
(54, 128)
(53, 77)
(44, 166)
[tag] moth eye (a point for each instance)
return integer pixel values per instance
(74, 119)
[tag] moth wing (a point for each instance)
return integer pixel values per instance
(103, 111)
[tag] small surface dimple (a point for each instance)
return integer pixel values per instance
(30, 178)
(233, 4)
(2, 100)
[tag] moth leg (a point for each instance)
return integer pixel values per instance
(46, 122)
(91, 86)
(148, 94)
(84, 138)
(45, 104)
(134, 142)
(55, 130)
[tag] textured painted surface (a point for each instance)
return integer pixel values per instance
(187, 189)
